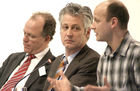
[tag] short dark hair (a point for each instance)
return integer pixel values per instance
(49, 25)
(117, 9)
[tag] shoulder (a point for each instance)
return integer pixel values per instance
(89, 52)
(135, 44)
(87, 56)
(57, 59)
(93, 52)
(17, 54)
(132, 43)
(135, 47)
(13, 57)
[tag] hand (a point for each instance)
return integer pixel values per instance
(107, 87)
(60, 85)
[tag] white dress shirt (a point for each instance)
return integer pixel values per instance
(31, 67)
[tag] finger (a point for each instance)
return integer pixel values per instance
(106, 82)
(62, 74)
(91, 88)
(86, 88)
(50, 79)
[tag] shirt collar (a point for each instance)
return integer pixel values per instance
(71, 57)
(122, 49)
(40, 54)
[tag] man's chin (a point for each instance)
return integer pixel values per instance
(27, 50)
(69, 47)
(98, 39)
(101, 40)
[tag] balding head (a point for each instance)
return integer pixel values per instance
(114, 8)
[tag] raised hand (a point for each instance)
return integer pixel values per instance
(107, 87)
(60, 85)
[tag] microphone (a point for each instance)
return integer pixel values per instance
(49, 61)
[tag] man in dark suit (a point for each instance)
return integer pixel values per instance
(38, 32)
(75, 21)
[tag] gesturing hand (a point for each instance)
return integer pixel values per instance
(60, 85)
(95, 88)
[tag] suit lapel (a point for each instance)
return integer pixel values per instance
(54, 66)
(33, 77)
(53, 70)
(73, 66)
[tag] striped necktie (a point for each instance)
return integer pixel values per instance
(18, 75)
(62, 67)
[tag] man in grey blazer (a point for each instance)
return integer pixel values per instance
(75, 21)
(38, 32)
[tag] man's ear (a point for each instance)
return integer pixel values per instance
(88, 33)
(114, 22)
(47, 38)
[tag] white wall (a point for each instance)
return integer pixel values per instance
(14, 14)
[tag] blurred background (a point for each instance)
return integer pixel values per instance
(15, 13)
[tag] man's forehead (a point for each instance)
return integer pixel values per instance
(100, 10)
(102, 5)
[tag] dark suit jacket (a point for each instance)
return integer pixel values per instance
(34, 82)
(82, 69)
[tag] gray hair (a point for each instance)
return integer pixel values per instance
(77, 10)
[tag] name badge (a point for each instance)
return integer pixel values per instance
(42, 71)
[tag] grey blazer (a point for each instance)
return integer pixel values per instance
(82, 69)
(34, 82)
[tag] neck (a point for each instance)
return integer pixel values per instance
(116, 40)
(40, 50)
(69, 52)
